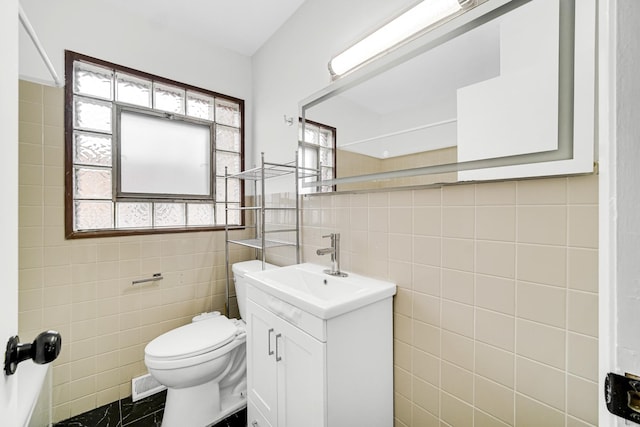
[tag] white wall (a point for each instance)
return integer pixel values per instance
(97, 28)
(9, 196)
(292, 65)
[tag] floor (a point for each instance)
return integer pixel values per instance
(143, 413)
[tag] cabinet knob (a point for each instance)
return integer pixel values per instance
(254, 424)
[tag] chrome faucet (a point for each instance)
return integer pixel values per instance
(334, 250)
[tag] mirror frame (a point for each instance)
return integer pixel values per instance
(471, 19)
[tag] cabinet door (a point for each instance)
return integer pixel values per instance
(261, 362)
(301, 377)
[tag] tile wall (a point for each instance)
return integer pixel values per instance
(82, 287)
(496, 315)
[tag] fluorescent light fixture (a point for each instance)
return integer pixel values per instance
(416, 19)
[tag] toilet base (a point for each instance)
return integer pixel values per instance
(200, 405)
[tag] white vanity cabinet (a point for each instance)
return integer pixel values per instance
(311, 372)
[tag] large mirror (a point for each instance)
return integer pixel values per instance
(489, 90)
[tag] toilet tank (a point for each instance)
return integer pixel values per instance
(240, 269)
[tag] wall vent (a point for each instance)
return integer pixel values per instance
(145, 386)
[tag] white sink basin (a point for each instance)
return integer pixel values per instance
(307, 287)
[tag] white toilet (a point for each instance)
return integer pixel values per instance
(203, 364)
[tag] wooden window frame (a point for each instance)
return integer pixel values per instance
(70, 233)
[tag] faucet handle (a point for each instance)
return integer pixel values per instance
(332, 236)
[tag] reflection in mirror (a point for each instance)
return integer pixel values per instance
(489, 95)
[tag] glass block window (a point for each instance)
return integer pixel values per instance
(146, 154)
(316, 155)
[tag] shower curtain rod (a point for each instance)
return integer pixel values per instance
(32, 34)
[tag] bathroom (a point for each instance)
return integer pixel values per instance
(496, 317)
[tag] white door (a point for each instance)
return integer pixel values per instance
(301, 377)
(261, 364)
(619, 154)
(8, 197)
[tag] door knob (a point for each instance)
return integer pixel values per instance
(44, 349)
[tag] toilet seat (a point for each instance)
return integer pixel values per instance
(192, 339)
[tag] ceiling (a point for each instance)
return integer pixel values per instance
(242, 26)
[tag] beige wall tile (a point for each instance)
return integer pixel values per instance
(544, 304)
(454, 411)
(546, 225)
(426, 308)
(495, 329)
(494, 364)
(496, 193)
(30, 300)
(458, 254)
(583, 189)
(400, 220)
(582, 265)
(426, 338)
(400, 273)
(547, 191)
(426, 396)
(530, 413)
(426, 367)
(541, 382)
(495, 293)
(542, 264)
(427, 197)
(380, 199)
(458, 350)
(582, 356)
(401, 247)
(379, 219)
(402, 409)
(457, 318)
(458, 222)
(481, 419)
(402, 382)
(458, 286)
(427, 221)
(402, 328)
(495, 258)
(457, 381)
(30, 133)
(399, 198)
(458, 195)
(31, 92)
(541, 343)
(582, 399)
(82, 405)
(30, 112)
(402, 302)
(426, 279)
(426, 250)
(401, 355)
(574, 422)
(583, 226)
(423, 418)
(494, 399)
(583, 313)
(496, 223)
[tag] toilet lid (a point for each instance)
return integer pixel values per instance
(192, 339)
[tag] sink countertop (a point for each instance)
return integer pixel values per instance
(307, 287)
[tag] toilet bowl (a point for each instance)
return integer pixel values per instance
(203, 364)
